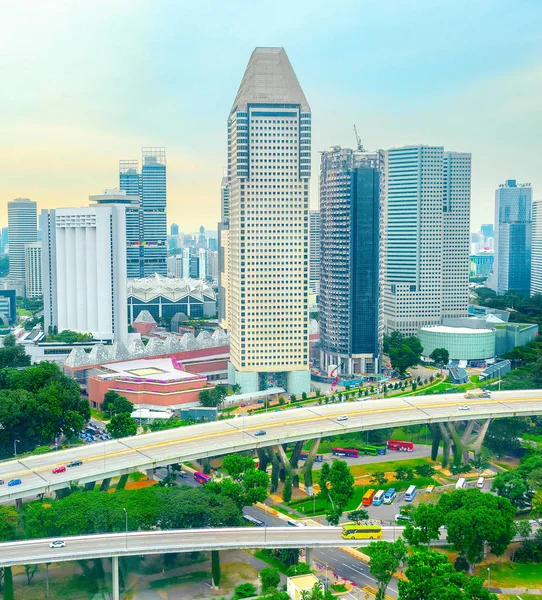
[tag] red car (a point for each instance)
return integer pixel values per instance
(60, 469)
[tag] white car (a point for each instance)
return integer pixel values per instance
(464, 407)
(342, 418)
(57, 544)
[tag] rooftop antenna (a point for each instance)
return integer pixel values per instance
(358, 140)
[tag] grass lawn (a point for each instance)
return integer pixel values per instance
(388, 466)
(97, 414)
(137, 476)
(271, 560)
(513, 575)
(193, 577)
(423, 436)
(23, 312)
(60, 587)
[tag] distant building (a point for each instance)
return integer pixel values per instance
(84, 270)
(426, 237)
(513, 225)
(4, 240)
(314, 274)
(349, 274)
(225, 200)
(174, 229)
(13, 283)
(133, 208)
(33, 270)
(462, 343)
(150, 187)
(163, 297)
(8, 307)
(481, 265)
(22, 225)
(488, 231)
(536, 249)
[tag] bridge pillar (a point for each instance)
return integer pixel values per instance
(18, 503)
(115, 576)
(105, 484)
(308, 556)
(150, 474)
(477, 445)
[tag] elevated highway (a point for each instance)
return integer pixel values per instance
(117, 457)
(86, 547)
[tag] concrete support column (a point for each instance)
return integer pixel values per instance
(308, 556)
(150, 474)
(115, 576)
(105, 484)
(18, 503)
(476, 447)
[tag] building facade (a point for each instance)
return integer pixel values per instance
(33, 270)
(148, 254)
(462, 343)
(23, 229)
(349, 275)
(513, 230)
(426, 213)
(269, 148)
(536, 249)
(314, 272)
(84, 270)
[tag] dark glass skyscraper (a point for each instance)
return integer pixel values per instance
(349, 230)
(150, 254)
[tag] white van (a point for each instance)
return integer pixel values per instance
(480, 482)
(460, 483)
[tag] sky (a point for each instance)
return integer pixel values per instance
(84, 83)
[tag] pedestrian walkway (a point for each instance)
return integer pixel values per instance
(516, 591)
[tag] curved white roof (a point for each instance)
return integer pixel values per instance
(461, 330)
(172, 288)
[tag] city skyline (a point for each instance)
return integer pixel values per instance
(64, 142)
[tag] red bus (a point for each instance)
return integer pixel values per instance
(400, 446)
(304, 455)
(368, 497)
(349, 452)
(202, 478)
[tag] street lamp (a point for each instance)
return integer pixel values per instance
(126, 515)
(488, 578)
(15, 447)
(258, 584)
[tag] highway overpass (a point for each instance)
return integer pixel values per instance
(86, 547)
(117, 457)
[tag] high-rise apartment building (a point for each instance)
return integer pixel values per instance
(84, 270)
(33, 270)
(225, 200)
(314, 246)
(349, 275)
(150, 253)
(22, 226)
(269, 148)
(536, 249)
(513, 229)
(426, 210)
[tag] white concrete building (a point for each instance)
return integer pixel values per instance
(23, 229)
(33, 270)
(269, 147)
(84, 270)
(426, 210)
(536, 249)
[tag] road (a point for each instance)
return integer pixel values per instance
(87, 547)
(335, 559)
(152, 450)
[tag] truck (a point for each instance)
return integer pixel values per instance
(473, 394)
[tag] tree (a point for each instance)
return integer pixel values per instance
(534, 479)
(299, 569)
(379, 478)
(270, 578)
(426, 519)
(324, 481)
(14, 357)
(474, 519)
(513, 486)
(282, 401)
(430, 576)
(236, 388)
(114, 404)
(342, 485)
(333, 518)
(245, 590)
(502, 435)
(9, 341)
(440, 356)
(523, 528)
(30, 571)
(72, 423)
(215, 567)
(293, 398)
(9, 593)
(287, 490)
(358, 515)
(237, 464)
(425, 470)
(9, 519)
(403, 351)
(122, 425)
(304, 396)
(386, 557)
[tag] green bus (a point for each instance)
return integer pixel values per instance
(372, 450)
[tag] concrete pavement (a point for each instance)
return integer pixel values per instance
(116, 457)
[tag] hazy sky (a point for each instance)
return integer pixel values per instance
(84, 83)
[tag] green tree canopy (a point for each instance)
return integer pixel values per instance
(115, 404)
(386, 557)
(440, 356)
(426, 519)
(236, 464)
(270, 578)
(122, 425)
(342, 484)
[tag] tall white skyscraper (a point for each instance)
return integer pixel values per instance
(84, 270)
(314, 273)
(269, 147)
(536, 249)
(33, 270)
(426, 206)
(23, 229)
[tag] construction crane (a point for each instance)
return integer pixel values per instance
(358, 140)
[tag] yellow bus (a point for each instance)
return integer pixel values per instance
(362, 532)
